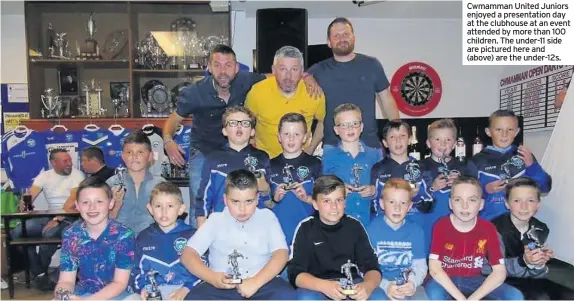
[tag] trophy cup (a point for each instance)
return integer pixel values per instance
(413, 173)
(288, 177)
(121, 172)
(534, 237)
(233, 271)
(356, 175)
(251, 163)
(51, 103)
(404, 277)
(63, 294)
(347, 283)
(153, 291)
(91, 50)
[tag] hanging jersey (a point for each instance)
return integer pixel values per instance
(154, 135)
(182, 137)
(23, 157)
(68, 140)
(112, 148)
(93, 137)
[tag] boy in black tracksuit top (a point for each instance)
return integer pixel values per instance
(324, 242)
(526, 265)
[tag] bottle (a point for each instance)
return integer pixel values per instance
(428, 152)
(478, 145)
(460, 148)
(414, 145)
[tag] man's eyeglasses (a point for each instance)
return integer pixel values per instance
(351, 124)
(236, 123)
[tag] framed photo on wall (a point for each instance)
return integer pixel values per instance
(68, 80)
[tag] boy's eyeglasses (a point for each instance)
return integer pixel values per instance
(348, 125)
(236, 123)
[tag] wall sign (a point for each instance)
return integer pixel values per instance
(417, 88)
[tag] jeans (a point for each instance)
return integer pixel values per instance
(467, 286)
(40, 261)
(196, 160)
(306, 294)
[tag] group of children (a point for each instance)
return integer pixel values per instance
(354, 208)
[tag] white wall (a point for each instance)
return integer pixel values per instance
(13, 43)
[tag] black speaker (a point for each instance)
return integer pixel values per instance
(317, 53)
(278, 27)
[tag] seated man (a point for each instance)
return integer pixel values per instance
(243, 241)
(94, 165)
(59, 185)
(326, 243)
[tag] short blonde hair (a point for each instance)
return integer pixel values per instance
(446, 123)
(399, 184)
(166, 188)
(346, 107)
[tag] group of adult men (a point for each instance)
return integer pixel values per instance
(347, 77)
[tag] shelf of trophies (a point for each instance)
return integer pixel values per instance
(78, 124)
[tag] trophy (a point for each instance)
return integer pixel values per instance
(513, 161)
(92, 50)
(233, 271)
(93, 99)
(251, 163)
(404, 276)
(445, 171)
(50, 41)
(288, 177)
(347, 283)
(413, 173)
(153, 291)
(356, 175)
(61, 46)
(51, 102)
(534, 237)
(166, 169)
(121, 172)
(63, 294)
(118, 103)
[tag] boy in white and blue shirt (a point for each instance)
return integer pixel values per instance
(399, 243)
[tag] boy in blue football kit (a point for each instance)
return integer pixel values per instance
(159, 246)
(399, 243)
(502, 161)
(352, 161)
(238, 127)
(292, 175)
(398, 164)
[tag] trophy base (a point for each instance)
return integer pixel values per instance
(192, 66)
(289, 186)
(173, 67)
(257, 174)
(413, 185)
(235, 281)
(349, 291)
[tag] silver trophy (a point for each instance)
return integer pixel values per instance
(61, 45)
(533, 234)
(121, 173)
(445, 171)
(347, 283)
(233, 270)
(506, 166)
(121, 101)
(91, 50)
(251, 163)
(153, 292)
(63, 294)
(52, 103)
(166, 169)
(356, 172)
(288, 177)
(404, 276)
(413, 173)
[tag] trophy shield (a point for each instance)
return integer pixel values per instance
(288, 177)
(251, 163)
(404, 276)
(444, 170)
(356, 172)
(533, 234)
(413, 173)
(233, 270)
(153, 290)
(347, 283)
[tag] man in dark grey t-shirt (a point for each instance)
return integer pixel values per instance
(350, 77)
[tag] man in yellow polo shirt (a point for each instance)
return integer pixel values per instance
(283, 93)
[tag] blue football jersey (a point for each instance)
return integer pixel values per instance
(93, 137)
(113, 147)
(23, 157)
(68, 140)
(182, 137)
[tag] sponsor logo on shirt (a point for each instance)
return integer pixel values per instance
(490, 167)
(467, 262)
(148, 248)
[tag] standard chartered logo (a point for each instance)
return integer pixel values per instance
(478, 262)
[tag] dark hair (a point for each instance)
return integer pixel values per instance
(56, 151)
(94, 152)
(396, 124)
(240, 179)
(138, 137)
(293, 118)
(501, 113)
(166, 188)
(327, 184)
(339, 20)
(521, 182)
(223, 49)
(93, 182)
(238, 109)
(467, 180)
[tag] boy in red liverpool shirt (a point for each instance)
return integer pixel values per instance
(461, 243)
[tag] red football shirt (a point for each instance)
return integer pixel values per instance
(463, 254)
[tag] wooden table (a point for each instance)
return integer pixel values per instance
(26, 241)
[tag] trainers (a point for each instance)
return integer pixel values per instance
(3, 285)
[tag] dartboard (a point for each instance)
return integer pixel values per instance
(416, 88)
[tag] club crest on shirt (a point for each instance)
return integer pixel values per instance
(179, 244)
(302, 172)
(449, 246)
(481, 246)
(69, 137)
(31, 142)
